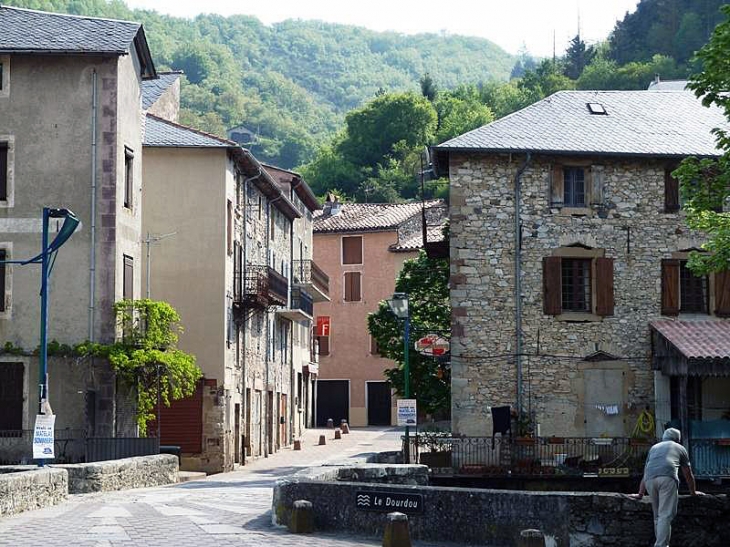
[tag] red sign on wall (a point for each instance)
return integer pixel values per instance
(323, 325)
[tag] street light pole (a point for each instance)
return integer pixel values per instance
(400, 308)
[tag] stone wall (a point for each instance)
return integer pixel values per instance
(25, 488)
(562, 357)
(121, 474)
(495, 517)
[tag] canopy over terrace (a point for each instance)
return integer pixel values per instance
(684, 349)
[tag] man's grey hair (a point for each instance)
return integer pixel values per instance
(672, 434)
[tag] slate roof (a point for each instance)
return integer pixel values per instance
(152, 90)
(668, 85)
(23, 30)
(636, 123)
(365, 217)
(164, 133)
(706, 339)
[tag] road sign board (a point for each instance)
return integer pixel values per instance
(407, 412)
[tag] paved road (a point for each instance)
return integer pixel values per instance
(229, 509)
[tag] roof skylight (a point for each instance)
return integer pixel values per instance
(596, 108)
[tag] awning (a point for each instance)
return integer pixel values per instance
(691, 348)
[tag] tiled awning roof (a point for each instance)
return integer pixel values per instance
(704, 345)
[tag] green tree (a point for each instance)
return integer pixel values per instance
(705, 183)
(577, 57)
(457, 116)
(428, 87)
(426, 281)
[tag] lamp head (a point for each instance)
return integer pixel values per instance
(399, 305)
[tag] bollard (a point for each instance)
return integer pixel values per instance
(322, 440)
(297, 445)
(330, 423)
(396, 531)
(302, 518)
(344, 428)
(338, 434)
(531, 538)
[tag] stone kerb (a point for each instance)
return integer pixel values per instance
(24, 488)
(497, 517)
(138, 472)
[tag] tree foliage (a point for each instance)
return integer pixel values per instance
(147, 351)
(705, 183)
(426, 281)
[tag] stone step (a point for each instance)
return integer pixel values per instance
(186, 476)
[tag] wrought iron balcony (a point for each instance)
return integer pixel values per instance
(301, 308)
(259, 287)
(311, 277)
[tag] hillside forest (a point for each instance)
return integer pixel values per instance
(353, 109)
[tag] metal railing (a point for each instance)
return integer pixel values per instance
(307, 272)
(542, 456)
(710, 457)
(73, 446)
(300, 300)
(278, 288)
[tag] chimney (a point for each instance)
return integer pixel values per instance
(332, 205)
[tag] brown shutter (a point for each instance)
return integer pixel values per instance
(596, 184)
(671, 192)
(670, 287)
(352, 287)
(2, 281)
(352, 250)
(722, 293)
(356, 293)
(374, 346)
(551, 280)
(3, 171)
(348, 287)
(604, 286)
(557, 194)
(324, 345)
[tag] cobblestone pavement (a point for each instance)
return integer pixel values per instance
(229, 509)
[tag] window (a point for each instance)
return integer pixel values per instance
(4, 76)
(324, 345)
(574, 187)
(3, 171)
(576, 284)
(374, 350)
(352, 250)
(272, 229)
(229, 228)
(671, 192)
(578, 280)
(352, 287)
(128, 177)
(3, 256)
(128, 278)
(685, 292)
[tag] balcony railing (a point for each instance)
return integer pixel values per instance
(308, 274)
(278, 288)
(301, 300)
(259, 287)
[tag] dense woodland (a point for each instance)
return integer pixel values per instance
(354, 109)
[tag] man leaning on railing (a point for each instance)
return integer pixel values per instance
(661, 481)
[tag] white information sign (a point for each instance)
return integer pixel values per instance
(406, 412)
(43, 437)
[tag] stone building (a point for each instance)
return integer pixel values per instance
(70, 136)
(362, 246)
(568, 250)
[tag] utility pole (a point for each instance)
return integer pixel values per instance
(148, 241)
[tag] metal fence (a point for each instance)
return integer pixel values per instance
(710, 457)
(72, 446)
(542, 456)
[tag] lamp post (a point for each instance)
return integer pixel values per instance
(399, 306)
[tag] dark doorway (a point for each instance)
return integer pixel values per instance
(333, 401)
(11, 396)
(237, 434)
(379, 403)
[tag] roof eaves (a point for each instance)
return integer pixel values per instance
(266, 183)
(546, 151)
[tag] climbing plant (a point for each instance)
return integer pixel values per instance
(146, 349)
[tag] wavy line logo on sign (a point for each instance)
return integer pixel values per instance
(387, 502)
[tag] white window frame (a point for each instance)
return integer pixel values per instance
(342, 250)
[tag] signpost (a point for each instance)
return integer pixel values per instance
(407, 412)
(43, 437)
(433, 345)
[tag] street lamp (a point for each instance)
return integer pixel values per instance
(398, 304)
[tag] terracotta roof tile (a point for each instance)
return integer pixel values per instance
(704, 339)
(364, 217)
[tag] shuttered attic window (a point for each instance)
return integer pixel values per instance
(596, 108)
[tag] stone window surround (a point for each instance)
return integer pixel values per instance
(581, 252)
(5, 84)
(573, 211)
(7, 246)
(10, 201)
(684, 255)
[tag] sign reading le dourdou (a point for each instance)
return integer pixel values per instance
(389, 501)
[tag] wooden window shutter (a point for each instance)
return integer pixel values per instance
(551, 280)
(3, 256)
(671, 192)
(3, 171)
(374, 346)
(556, 186)
(352, 250)
(352, 287)
(604, 286)
(722, 293)
(596, 178)
(324, 345)
(128, 278)
(670, 287)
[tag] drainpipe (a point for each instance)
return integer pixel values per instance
(518, 280)
(92, 251)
